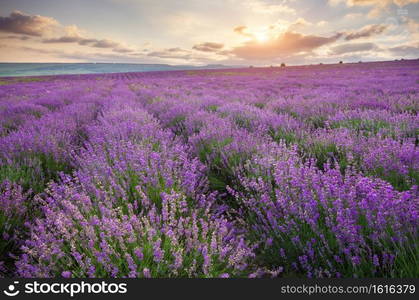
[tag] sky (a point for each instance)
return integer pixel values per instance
(197, 32)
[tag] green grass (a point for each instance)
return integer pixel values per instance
(287, 111)
(33, 171)
(316, 121)
(221, 171)
(363, 126)
(22, 80)
(177, 125)
(211, 108)
(243, 122)
(8, 128)
(9, 225)
(324, 152)
(279, 134)
(12, 229)
(399, 181)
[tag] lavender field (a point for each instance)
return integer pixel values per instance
(308, 171)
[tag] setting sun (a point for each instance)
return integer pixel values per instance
(261, 37)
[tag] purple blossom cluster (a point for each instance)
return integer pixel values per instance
(306, 171)
(13, 215)
(137, 206)
(329, 224)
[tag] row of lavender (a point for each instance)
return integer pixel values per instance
(42, 126)
(135, 204)
(312, 200)
(299, 172)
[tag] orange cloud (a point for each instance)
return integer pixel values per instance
(242, 31)
(208, 47)
(366, 31)
(287, 44)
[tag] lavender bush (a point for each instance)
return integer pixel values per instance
(289, 172)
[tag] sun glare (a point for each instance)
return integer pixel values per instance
(261, 37)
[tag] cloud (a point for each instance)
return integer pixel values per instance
(268, 7)
(39, 26)
(120, 49)
(75, 35)
(242, 31)
(413, 28)
(353, 16)
(176, 53)
(104, 44)
(95, 43)
(365, 32)
(287, 44)
(45, 55)
(21, 23)
(99, 57)
(299, 24)
(380, 2)
(183, 55)
(86, 41)
(41, 51)
(62, 40)
(406, 50)
(208, 47)
(353, 48)
(378, 6)
(16, 37)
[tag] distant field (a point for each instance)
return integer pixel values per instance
(308, 171)
(45, 69)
